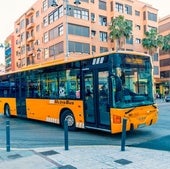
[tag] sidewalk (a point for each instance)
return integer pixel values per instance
(84, 157)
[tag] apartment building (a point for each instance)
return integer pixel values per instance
(44, 32)
(10, 53)
(164, 82)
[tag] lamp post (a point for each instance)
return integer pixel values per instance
(1, 45)
(65, 4)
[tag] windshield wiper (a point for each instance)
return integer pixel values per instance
(130, 110)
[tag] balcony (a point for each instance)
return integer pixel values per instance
(30, 52)
(30, 38)
(30, 25)
(30, 12)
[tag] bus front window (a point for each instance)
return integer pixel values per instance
(133, 86)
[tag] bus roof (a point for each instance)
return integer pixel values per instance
(71, 59)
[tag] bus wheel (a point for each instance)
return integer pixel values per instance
(68, 115)
(7, 111)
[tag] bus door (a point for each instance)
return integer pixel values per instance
(21, 96)
(96, 99)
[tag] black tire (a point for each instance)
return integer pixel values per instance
(7, 111)
(68, 115)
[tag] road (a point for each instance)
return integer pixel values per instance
(26, 133)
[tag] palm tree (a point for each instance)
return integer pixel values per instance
(120, 29)
(166, 43)
(152, 41)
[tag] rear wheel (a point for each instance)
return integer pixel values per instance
(68, 115)
(7, 111)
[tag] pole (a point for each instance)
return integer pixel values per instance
(7, 136)
(123, 134)
(66, 134)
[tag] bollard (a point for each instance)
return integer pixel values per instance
(7, 136)
(123, 134)
(66, 134)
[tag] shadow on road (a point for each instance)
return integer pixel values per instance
(161, 143)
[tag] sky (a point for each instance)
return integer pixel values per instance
(11, 10)
(161, 5)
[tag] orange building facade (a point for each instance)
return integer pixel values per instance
(44, 33)
(164, 82)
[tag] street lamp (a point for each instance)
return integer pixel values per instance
(1, 45)
(55, 4)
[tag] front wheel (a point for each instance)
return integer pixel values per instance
(68, 115)
(7, 111)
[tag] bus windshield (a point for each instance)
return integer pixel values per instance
(133, 81)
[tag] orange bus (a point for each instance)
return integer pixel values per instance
(93, 92)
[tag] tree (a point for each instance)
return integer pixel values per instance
(166, 43)
(120, 30)
(152, 41)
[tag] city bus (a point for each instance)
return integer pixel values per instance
(94, 92)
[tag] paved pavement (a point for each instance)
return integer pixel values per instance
(84, 157)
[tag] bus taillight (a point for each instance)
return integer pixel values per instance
(116, 119)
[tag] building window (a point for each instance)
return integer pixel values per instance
(55, 32)
(79, 47)
(102, 21)
(85, 15)
(144, 15)
(50, 18)
(103, 36)
(93, 48)
(45, 37)
(119, 7)
(46, 53)
(60, 30)
(56, 49)
(37, 14)
(156, 70)
(128, 9)
(138, 27)
(78, 30)
(103, 49)
(22, 24)
(77, 13)
(152, 17)
(45, 5)
(45, 21)
(92, 17)
(151, 27)
(60, 11)
(138, 41)
(137, 13)
(111, 6)
(102, 5)
(155, 57)
(165, 62)
(93, 33)
(129, 40)
(55, 15)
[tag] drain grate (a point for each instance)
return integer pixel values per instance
(48, 153)
(14, 156)
(67, 167)
(123, 161)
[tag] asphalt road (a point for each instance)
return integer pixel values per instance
(26, 133)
